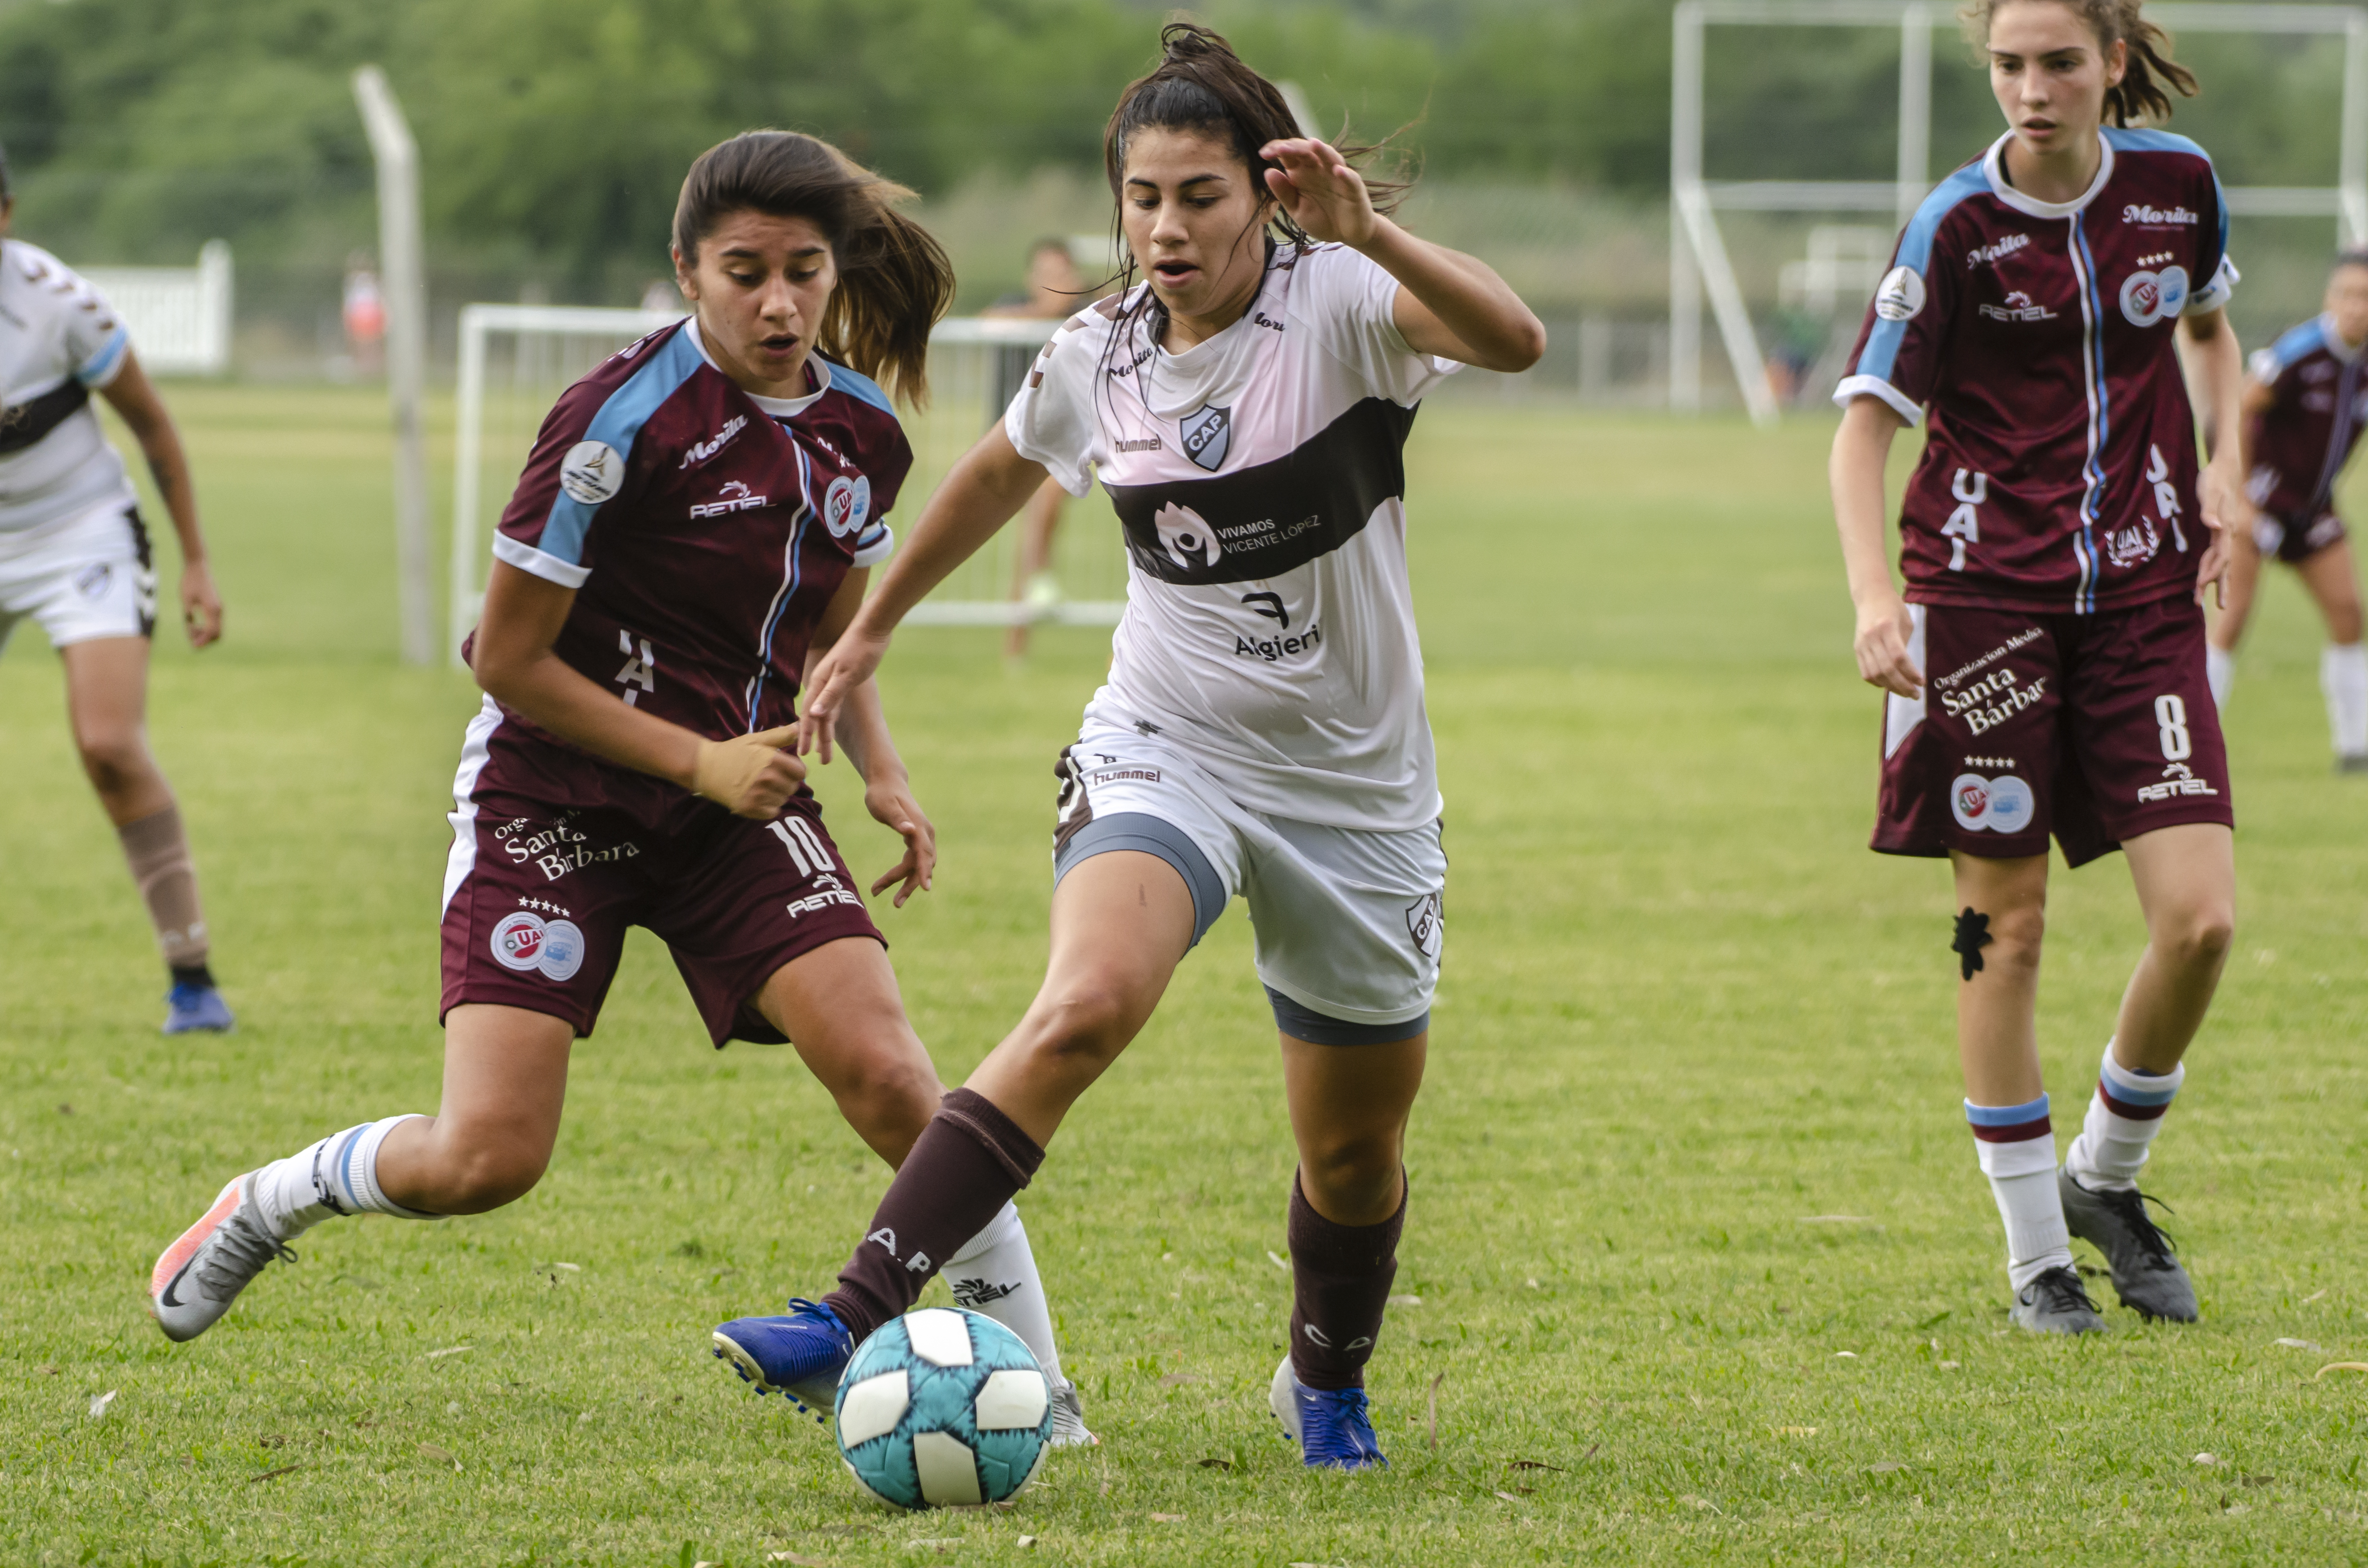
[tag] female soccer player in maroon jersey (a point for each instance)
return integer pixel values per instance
(694, 526)
(2305, 406)
(1262, 730)
(2045, 666)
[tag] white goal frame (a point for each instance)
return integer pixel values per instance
(470, 544)
(1698, 258)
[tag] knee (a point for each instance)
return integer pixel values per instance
(2343, 622)
(2196, 936)
(1349, 1169)
(1087, 1023)
(2017, 934)
(891, 1094)
(490, 1175)
(115, 760)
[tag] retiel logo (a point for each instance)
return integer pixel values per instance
(528, 943)
(591, 472)
(1901, 296)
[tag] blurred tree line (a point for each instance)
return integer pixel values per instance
(554, 132)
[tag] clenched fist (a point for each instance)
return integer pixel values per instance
(750, 776)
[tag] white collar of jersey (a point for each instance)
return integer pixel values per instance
(1213, 370)
(2346, 352)
(779, 408)
(1994, 166)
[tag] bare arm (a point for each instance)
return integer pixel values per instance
(2220, 374)
(133, 395)
(861, 729)
(1449, 304)
(990, 483)
(515, 663)
(2259, 398)
(1861, 448)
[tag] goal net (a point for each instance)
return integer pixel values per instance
(517, 359)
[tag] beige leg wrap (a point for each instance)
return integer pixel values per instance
(158, 851)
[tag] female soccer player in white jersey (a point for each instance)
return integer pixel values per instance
(696, 522)
(2304, 407)
(1262, 730)
(2045, 664)
(74, 557)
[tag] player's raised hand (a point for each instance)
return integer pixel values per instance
(1319, 191)
(750, 776)
(202, 605)
(891, 803)
(853, 659)
(1884, 629)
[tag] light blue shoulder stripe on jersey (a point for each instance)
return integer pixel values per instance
(2297, 341)
(1916, 251)
(617, 425)
(863, 389)
(102, 365)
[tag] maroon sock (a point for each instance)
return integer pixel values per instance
(1340, 1281)
(967, 1163)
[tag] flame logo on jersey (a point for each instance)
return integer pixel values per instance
(1185, 535)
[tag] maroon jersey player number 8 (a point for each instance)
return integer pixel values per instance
(2045, 664)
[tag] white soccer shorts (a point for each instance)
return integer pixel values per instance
(1349, 924)
(83, 577)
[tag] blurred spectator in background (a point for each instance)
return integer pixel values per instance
(1055, 290)
(661, 297)
(365, 314)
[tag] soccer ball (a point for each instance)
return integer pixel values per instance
(943, 1405)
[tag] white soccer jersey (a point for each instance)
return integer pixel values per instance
(1269, 625)
(58, 341)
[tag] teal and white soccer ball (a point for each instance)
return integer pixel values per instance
(943, 1405)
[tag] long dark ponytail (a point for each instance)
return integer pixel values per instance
(2141, 96)
(894, 278)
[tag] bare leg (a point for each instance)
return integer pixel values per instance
(107, 703)
(489, 1142)
(1349, 1110)
(1038, 522)
(841, 1009)
(1997, 1008)
(2186, 879)
(2244, 581)
(1121, 922)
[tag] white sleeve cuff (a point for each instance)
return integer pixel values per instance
(1076, 481)
(1856, 387)
(542, 563)
(103, 366)
(877, 548)
(2214, 295)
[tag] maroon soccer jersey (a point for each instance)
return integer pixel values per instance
(2301, 441)
(2059, 474)
(704, 529)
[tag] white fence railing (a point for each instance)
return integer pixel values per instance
(179, 317)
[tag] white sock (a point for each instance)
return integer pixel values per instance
(2343, 677)
(2017, 1147)
(2220, 671)
(337, 1175)
(994, 1273)
(2124, 1115)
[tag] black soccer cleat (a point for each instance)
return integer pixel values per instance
(2146, 1275)
(2056, 1303)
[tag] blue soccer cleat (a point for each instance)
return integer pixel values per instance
(195, 1008)
(798, 1355)
(1329, 1424)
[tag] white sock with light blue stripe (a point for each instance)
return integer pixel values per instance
(2124, 1115)
(2016, 1145)
(337, 1175)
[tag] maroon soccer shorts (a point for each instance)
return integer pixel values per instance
(537, 895)
(2294, 537)
(2095, 728)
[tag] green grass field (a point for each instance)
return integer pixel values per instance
(1688, 1024)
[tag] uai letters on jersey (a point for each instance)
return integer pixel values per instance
(2060, 470)
(1269, 627)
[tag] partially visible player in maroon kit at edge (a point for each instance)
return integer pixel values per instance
(2045, 667)
(2306, 401)
(695, 525)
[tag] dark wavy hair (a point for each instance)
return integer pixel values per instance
(2141, 96)
(894, 281)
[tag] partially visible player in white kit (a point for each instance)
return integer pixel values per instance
(74, 557)
(1262, 731)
